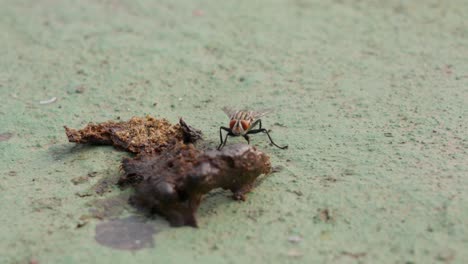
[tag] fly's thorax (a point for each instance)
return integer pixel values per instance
(242, 115)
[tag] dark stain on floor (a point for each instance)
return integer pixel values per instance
(131, 233)
(110, 207)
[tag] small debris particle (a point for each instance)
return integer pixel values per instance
(446, 255)
(295, 239)
(84, 194)
(5, 136)
(330, 179)
(241, 79)
(198, 13)
(277, 168)
(279, 124)
(105, 185)
(49, 101)
(388, 134)
(46, 203)
(80, 224)
(92, 174)
(79, 180)
(354, 255)
(294, 253)
(297, 192)
(108, 208)
(325, 235)
(80, 89)
(324, 215)
(12, 173)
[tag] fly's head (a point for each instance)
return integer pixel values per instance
(239, 127)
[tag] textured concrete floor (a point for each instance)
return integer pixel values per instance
(371, 97)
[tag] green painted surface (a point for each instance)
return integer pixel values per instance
(371, 97)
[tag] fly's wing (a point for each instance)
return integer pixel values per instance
(229, 111)
(256, 115)
(260, 113)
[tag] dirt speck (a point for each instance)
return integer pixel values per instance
(295, 239)
(80, 224)
(354, 255)
(130, 233)
(296, 192)
(447, 256)
(277, 168)
(198, 13)
(108, 207)
(294, 253)
(79, 180)
(46, 204)
(81, 72)
(105, 185)
(330, 179)
(83, 194)
(279, 124)
(92, 174)
(105, 208)
(5, 136)
(80, 89)
(324, 215)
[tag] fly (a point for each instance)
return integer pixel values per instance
(243, 123)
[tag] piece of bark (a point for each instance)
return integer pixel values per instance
(173, 183)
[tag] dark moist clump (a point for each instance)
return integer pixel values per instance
(173, 183)
(169, 174)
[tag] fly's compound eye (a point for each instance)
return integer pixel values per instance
(232, 123)
(245, 124)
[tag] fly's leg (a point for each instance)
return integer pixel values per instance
(255, 131)
(247, 138)
(257, 122)
(223, 142)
